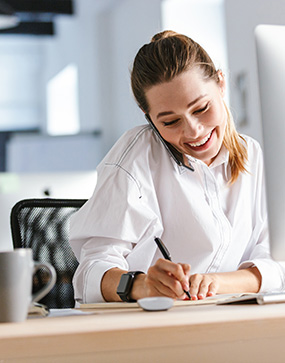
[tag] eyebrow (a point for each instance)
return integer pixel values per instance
(165, 113)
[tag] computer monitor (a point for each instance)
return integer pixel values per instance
(17, 186)
(270, 47)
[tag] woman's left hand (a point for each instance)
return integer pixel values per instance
(203, 285)
(243, 280)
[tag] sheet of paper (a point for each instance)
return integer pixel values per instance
(259, 298)
(177, 303)
(66, 312)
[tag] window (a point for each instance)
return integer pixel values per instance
(62, 102)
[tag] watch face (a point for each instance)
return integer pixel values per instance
(125, 284)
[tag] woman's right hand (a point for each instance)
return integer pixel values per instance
(164, 278)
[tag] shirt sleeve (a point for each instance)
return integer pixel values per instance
(104, 233)
(258, 251)
(272, 272)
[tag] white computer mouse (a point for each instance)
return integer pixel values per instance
(156, 303)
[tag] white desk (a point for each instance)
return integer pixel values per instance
(209, 333)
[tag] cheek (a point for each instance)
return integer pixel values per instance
(222, 113)
(168, 134)
(223, 118)
(218, 118)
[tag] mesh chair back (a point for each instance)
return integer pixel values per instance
(43, 226)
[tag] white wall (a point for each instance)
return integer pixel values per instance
(76, 41)
(202, 20)
(242, 16)
(102, 40)
(31, 153)
(20, 87)
(124, 27)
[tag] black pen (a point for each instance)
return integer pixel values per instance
(166, 255)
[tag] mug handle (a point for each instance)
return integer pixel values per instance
(49, 285)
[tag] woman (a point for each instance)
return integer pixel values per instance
(187, 177)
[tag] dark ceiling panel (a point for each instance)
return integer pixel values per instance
(42, 6)
(33, 28)
(37, 16)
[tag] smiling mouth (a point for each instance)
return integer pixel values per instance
(201, 142)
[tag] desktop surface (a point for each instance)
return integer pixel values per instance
(225, 333)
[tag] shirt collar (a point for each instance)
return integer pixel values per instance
(222, 158)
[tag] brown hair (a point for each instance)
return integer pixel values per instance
(168, 55)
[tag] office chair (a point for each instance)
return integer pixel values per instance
(43, 226)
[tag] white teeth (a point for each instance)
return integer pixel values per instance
(201, 142)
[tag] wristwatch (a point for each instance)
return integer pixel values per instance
(125, 286)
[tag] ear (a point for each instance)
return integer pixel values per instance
(222, 82)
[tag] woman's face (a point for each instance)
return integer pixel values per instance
(190, 114)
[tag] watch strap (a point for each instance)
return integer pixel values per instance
(125, 295)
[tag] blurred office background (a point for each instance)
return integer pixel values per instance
(65, 94)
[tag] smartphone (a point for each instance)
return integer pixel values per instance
(175, 154)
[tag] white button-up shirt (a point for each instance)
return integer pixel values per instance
(141, 193)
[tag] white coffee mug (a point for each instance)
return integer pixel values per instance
(16, 276)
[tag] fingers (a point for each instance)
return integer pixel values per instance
(187, 270)
(168, 279)
(203, 285)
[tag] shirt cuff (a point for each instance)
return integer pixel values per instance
(272, 274)
(92, 282)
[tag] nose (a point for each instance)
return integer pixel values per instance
(192, 127)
